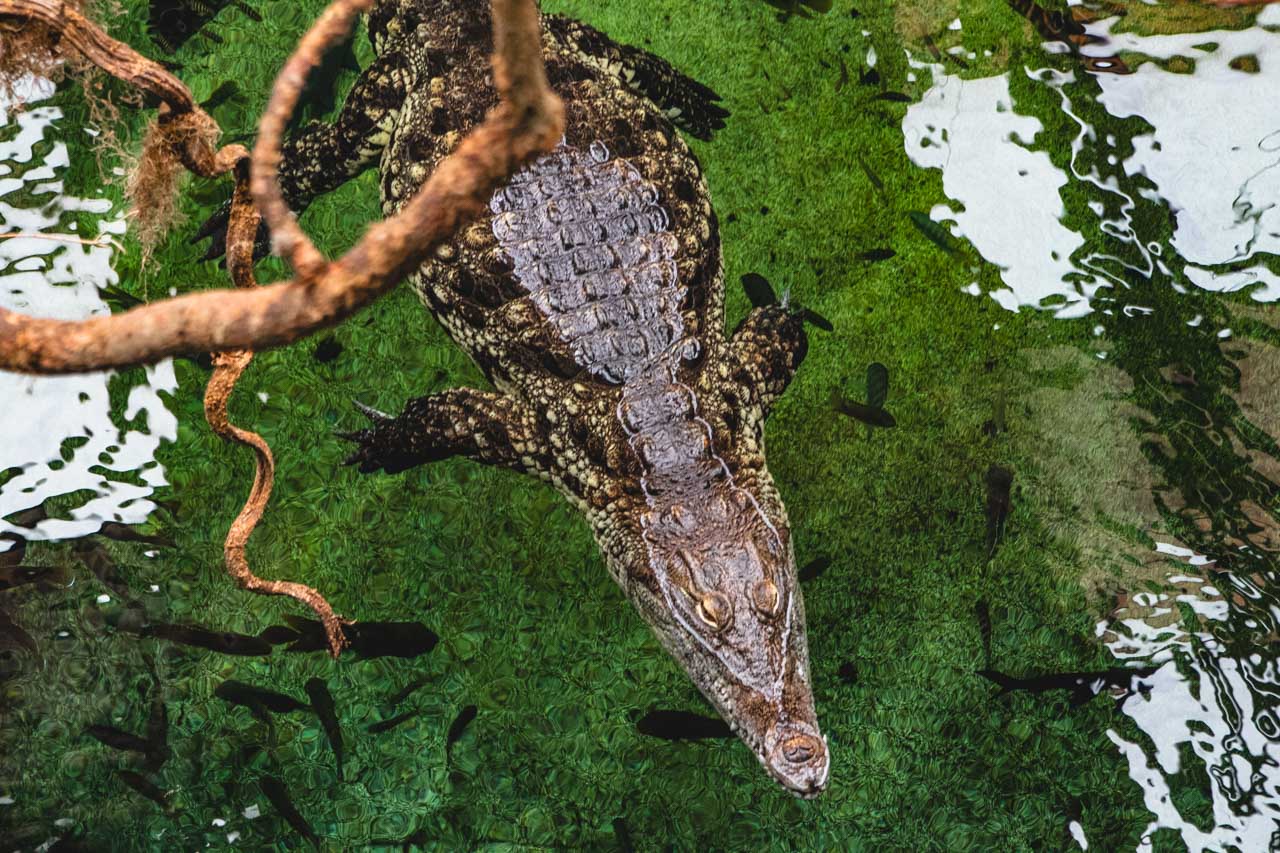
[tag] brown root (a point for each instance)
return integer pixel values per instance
(227, 368)
(152, 188)
(26, 48)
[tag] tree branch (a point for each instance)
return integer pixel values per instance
(528, 120)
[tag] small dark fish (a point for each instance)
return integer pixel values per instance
(327, 350)
(391, 722)
(1083, 685)
(870, 77)
(46, 577)
(117, 298)
(13, 635)
(458, 726)
(932, 48)
(221, 95)
(273, 789)
(145, 787)
(226, 642)
(682, 725)
(861, 412)
(983, 613)
(240, 693)
(844, 75)
(877, 385)
(158, 751)
(404, 692)
(896, 97)
(935, 233)
(248, 10)
(999, 504)
(759, 292)
(172, 22)
(871, 176)
(124, 533)
(117, 739)
(367, 639)
(278, 634)
(848, 672)
(875, 255)
(813, 569)
(322, 704)
(620, 832)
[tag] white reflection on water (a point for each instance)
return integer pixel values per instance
(1205, 699)
(53, 278)
(1210, 715)
(1214, 152)
(1011, 209)
(1214, 155)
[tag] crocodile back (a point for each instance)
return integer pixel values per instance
(593, 261)
(589, 243)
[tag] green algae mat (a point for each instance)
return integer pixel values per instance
(500, 711)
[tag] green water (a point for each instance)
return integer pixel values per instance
(1109, 457)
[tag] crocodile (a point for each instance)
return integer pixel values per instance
(591, 296)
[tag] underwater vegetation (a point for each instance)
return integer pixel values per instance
(1135, 527)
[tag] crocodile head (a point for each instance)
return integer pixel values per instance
(718, 585)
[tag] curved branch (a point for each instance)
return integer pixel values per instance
(228, 366)
(528, 120)
(115, 57)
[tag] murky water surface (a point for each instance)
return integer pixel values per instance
(1141, 207)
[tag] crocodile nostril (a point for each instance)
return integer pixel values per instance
(799, 749)
(764, 595)
(715, 610)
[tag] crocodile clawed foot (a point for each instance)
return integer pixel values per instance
(381, 447)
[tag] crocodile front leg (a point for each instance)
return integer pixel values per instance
(320, 157)
(485, 426)
(689, 104)
(757, 365)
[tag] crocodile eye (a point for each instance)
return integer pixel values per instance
(765, 598)
(714, 609)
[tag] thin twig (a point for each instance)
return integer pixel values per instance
(101, 242)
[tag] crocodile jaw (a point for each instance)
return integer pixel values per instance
(703, 596)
